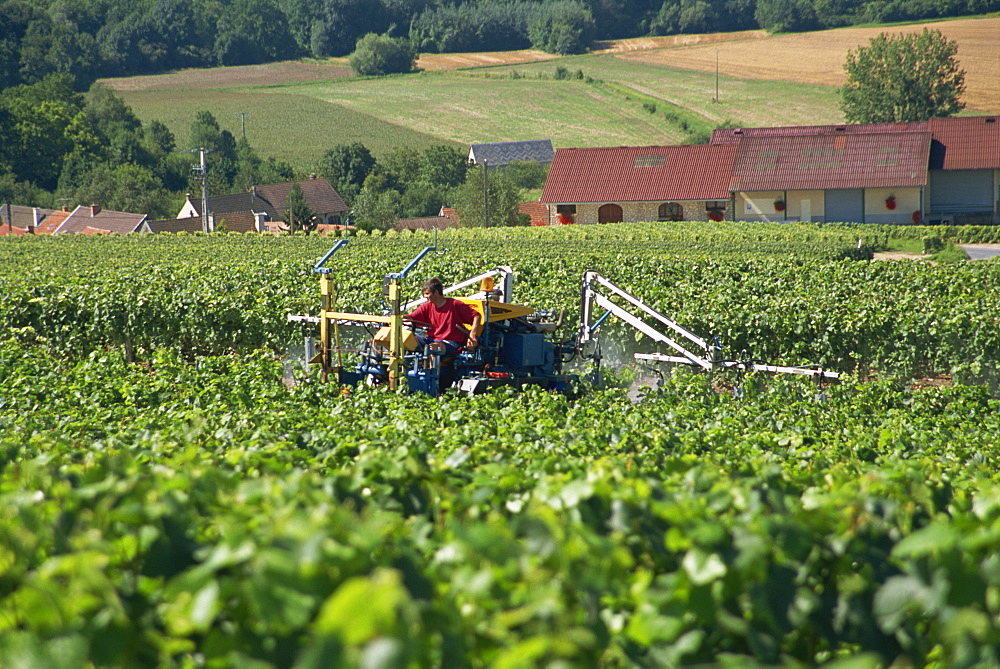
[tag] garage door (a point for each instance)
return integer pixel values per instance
(961, 191)
(844, 206)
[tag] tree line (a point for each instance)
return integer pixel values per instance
(89, 39)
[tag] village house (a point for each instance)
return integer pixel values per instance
(255, 209)
(91, 220)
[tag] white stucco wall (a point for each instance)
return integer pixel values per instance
(907, 201)
(638, 212)
(187, 211)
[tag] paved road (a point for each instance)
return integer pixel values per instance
(982, 251)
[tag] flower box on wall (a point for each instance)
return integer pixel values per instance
(779, 205)
(890, 202)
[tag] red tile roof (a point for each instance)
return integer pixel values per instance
(52, 223)
(6, 230)
(324, 229)
(733, 135)
(965, 143)
(538, 212)
(832, 161)
(640, 174)
(90, 231)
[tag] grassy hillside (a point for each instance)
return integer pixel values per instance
(281, 122)
(298, 121)
(631, 93)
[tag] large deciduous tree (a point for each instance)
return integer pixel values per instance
(376, 55)
(898, 78)
(471, 203)
(375, 210)
(347, 166)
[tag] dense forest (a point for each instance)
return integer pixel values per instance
(89, 39)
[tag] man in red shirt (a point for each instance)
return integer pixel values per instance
(445, 317)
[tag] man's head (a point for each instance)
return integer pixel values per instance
(432, 287)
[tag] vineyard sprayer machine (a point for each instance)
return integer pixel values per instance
(518, 345)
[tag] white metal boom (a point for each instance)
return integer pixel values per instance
(593, 282)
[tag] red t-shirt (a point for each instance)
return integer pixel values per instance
(445, 321)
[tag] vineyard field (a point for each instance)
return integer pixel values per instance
(168, 500)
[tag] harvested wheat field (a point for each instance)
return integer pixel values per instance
(236, 76)
(455, 61)
(818, 57)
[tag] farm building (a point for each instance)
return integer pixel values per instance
(640, 183)
(251, 210)
(498, 154)
(875, 178)
(945, 170)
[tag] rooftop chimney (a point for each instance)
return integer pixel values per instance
(95, 209)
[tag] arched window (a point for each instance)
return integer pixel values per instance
(671, 211)
(610, 213)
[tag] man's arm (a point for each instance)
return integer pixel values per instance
(477, 326)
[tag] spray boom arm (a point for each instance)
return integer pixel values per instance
(594, 283)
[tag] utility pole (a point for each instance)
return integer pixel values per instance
(486, 190)
(10, 222)
(243, 122)
(201, 172)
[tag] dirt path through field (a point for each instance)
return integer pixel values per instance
(818, 57)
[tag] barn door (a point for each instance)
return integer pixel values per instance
(609, 213)
(844, 206)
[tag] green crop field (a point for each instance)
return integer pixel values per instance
(287, 125)
(299, 120)
(176, 492)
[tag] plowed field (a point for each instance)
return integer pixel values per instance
(818, 57)
(230, 77)
(455, 61)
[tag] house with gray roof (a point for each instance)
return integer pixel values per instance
(239, 209)
(498, 154)
(93, 220)
(23, 218)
